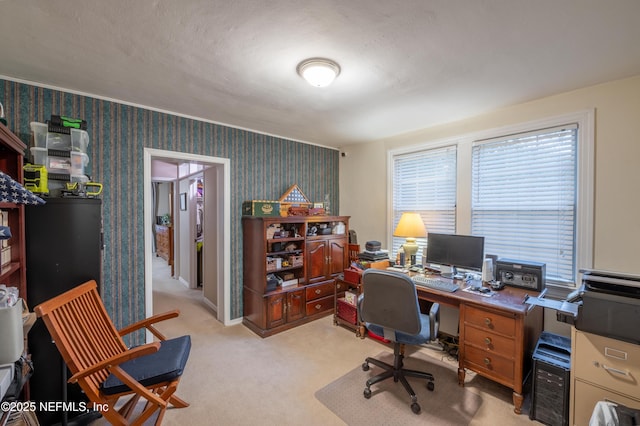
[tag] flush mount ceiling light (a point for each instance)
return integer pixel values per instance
(318, 72)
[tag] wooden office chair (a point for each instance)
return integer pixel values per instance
(389, 307)
(104, 367)
(354, 251)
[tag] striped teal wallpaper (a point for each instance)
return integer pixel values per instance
(262, 167)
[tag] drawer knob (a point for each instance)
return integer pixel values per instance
(487, 340)
(318, 306)
(318, 291)
(339, 286)
(487, 322)
(487, 361)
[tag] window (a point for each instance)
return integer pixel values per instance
(528, 189)
(524, 198)
(425, 182)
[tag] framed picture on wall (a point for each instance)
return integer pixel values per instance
(183, 201)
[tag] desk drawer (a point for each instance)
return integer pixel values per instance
(341, 286)
(608, 362)
(320, 290)
(320, 305)
(493, 365)
(490, 342)
(490, 321)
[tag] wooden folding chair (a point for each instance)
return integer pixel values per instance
(104, 367)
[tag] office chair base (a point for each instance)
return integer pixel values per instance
(399, 374)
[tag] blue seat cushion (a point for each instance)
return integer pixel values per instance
(407, 339)
(166, 364)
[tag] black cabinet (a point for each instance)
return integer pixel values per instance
(63, 250)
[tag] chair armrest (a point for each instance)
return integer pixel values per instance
(116, 360)
(148, 324)
(434, 320)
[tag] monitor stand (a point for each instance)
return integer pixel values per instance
(447, 271)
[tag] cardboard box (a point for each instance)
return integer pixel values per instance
(380, 264)
(351, 297)
(261, 208)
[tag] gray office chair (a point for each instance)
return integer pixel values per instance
(389, 307)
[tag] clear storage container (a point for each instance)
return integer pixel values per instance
(39, 131)
(72, 163)
(39, 156)
(79, 140)
(78, 161)
(58, 141)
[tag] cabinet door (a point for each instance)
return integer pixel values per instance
(316, 261)
(295, 305)
(338, 252)
(276, 310)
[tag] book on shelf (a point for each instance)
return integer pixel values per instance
(287, 283)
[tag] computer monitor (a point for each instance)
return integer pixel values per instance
(452, 251)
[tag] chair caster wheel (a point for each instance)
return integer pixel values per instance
(415, 407)
(365, 367)
(431, 386)
(367, 394)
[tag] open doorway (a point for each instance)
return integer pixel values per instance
(215, 174)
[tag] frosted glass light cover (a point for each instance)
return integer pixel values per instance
(319, 72)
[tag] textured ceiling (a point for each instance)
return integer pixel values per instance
(406, 64)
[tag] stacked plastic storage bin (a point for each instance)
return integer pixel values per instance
(64, 155)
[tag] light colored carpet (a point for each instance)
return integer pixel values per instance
(447, 404)
(234, 377)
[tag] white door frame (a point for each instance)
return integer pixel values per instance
(224, 291)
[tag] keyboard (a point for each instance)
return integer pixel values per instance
(435, 283)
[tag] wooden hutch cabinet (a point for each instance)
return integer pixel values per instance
(290, 265)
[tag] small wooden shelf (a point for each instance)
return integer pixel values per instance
(338, 314)
(8, 270)
(11, 160)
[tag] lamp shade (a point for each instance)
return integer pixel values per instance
(410, 226)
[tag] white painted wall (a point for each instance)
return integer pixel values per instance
(185, 234)
(364, 181)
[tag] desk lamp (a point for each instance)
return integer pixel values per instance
(411, 227)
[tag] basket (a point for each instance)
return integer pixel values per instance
(347, 311)
(296, 260)
(273, 264)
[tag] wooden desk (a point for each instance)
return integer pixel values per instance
(497, 334)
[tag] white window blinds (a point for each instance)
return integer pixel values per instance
(425, 182)
(524, 198)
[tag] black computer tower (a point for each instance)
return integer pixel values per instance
(551, 379)
(63, 249)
